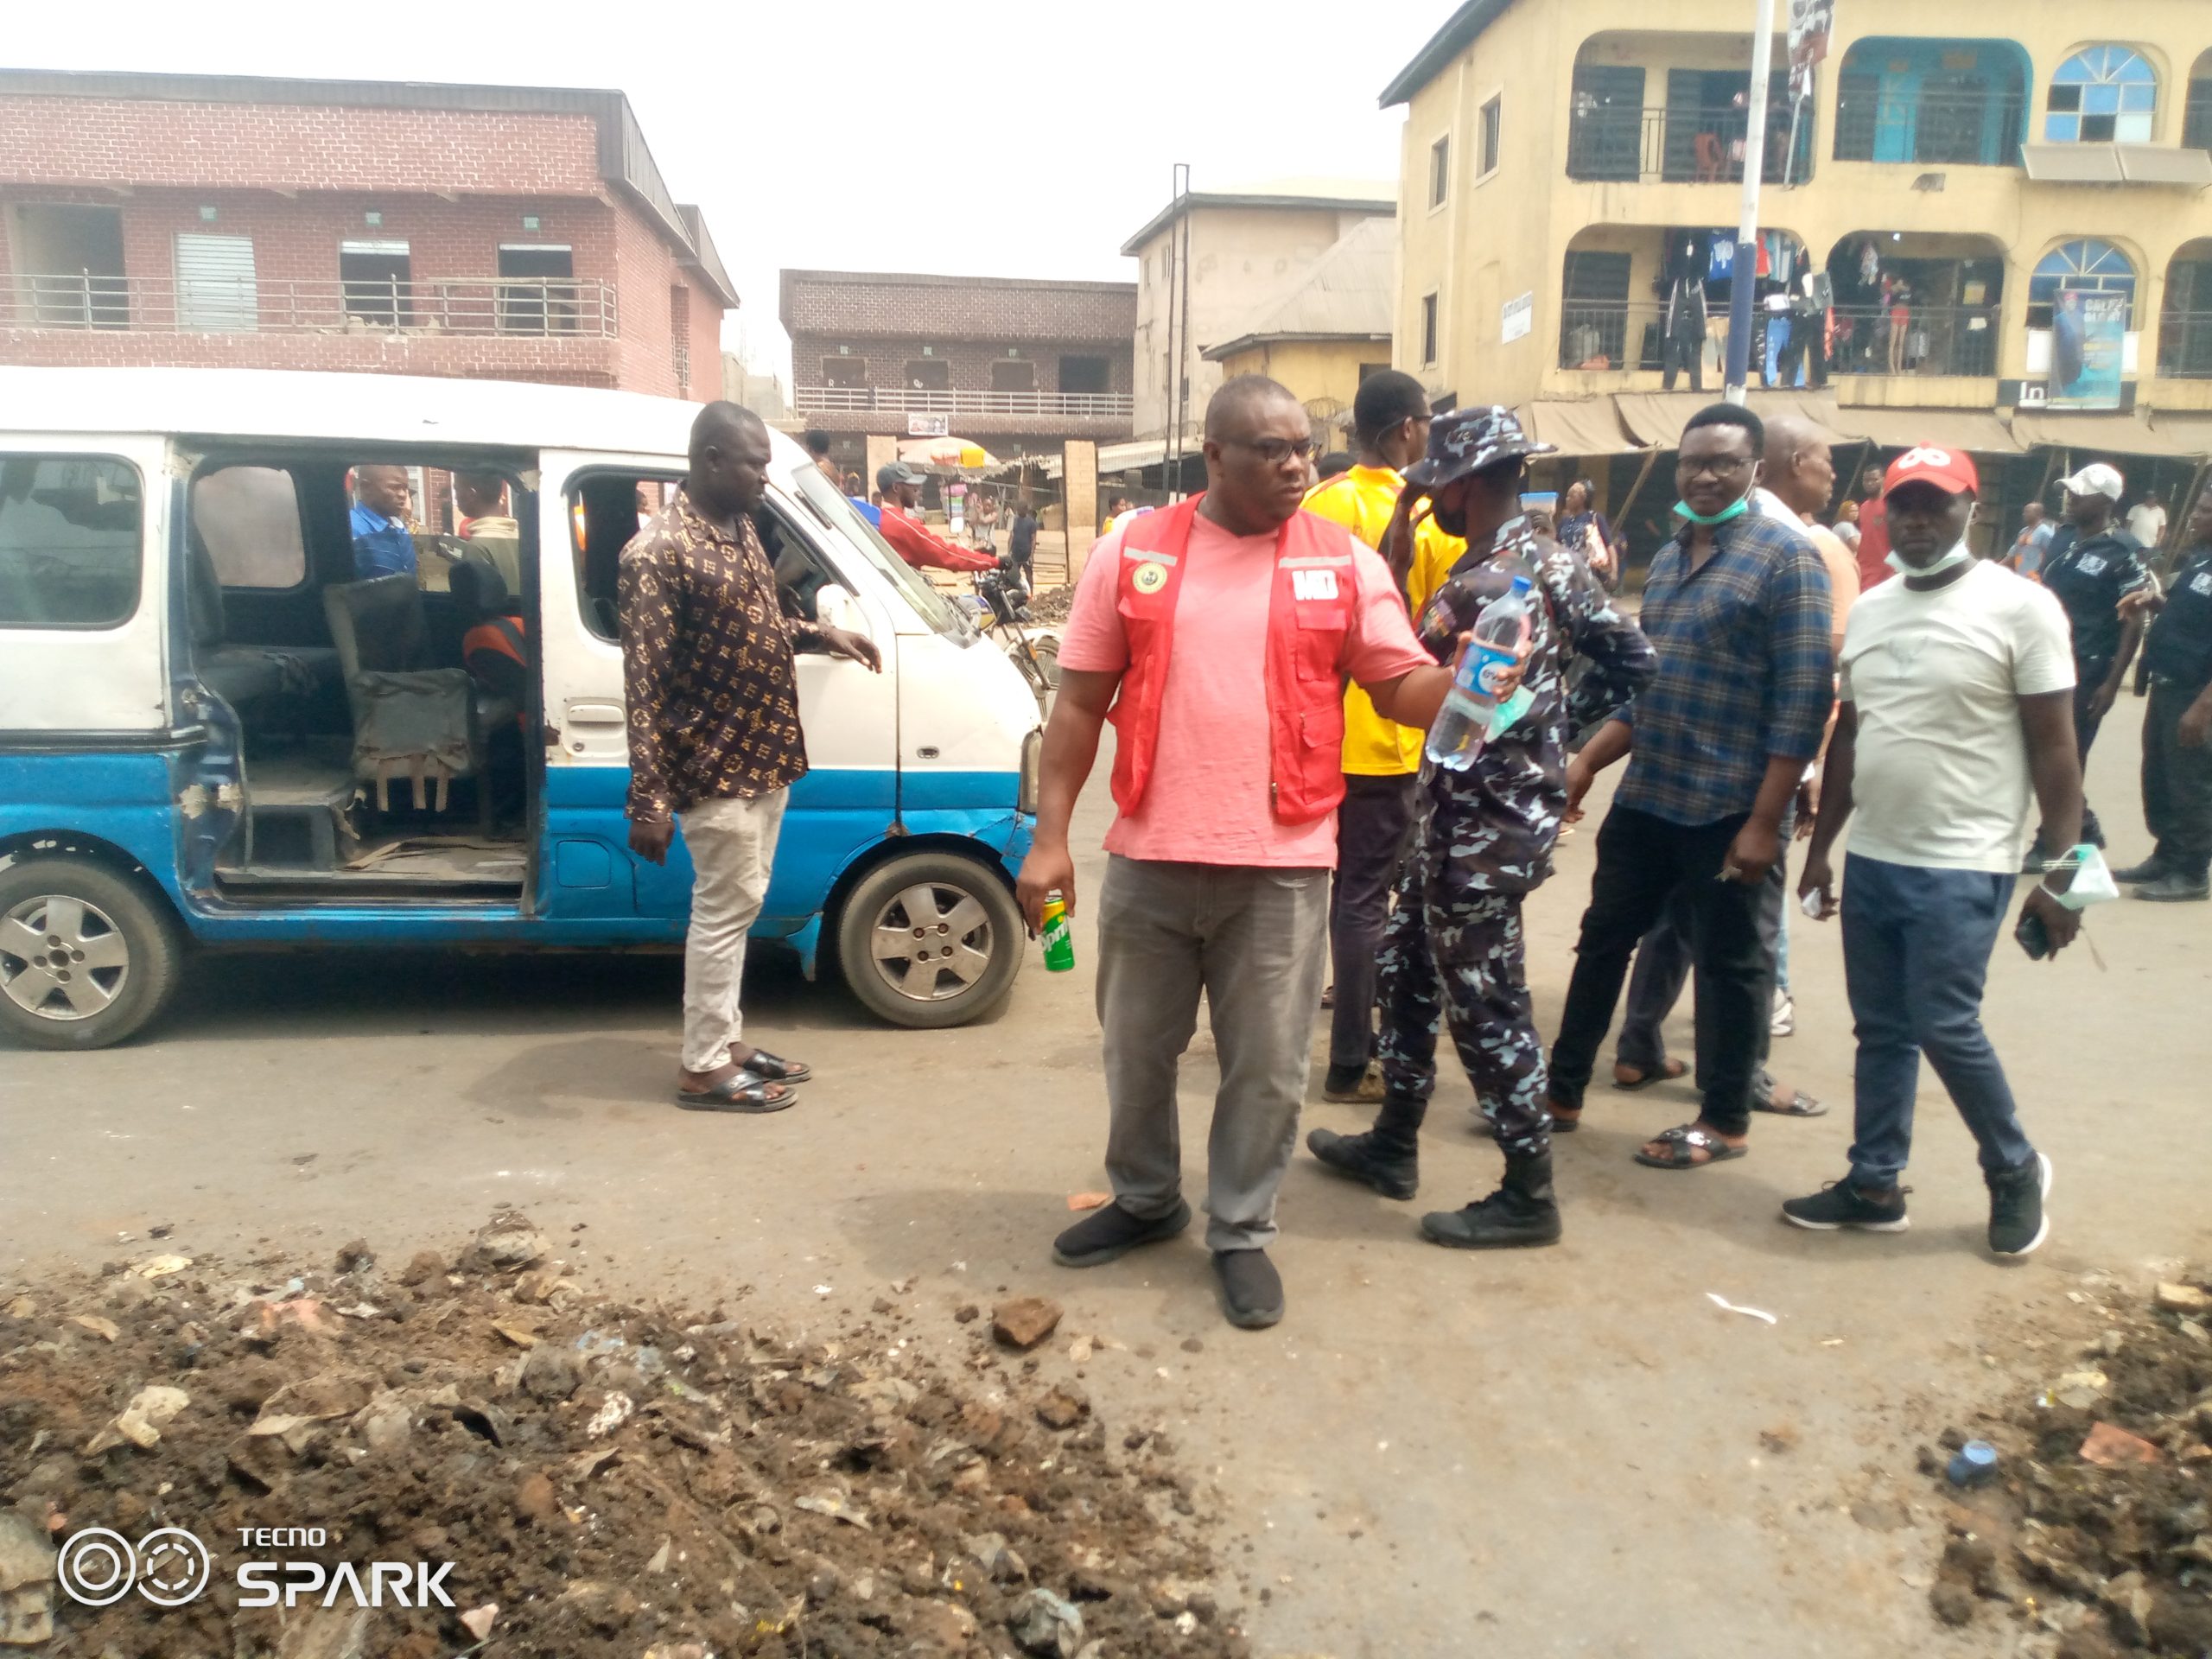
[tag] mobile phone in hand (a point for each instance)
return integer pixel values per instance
(2033, 935)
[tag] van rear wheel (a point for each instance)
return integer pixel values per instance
(930, 939)
(85, 957)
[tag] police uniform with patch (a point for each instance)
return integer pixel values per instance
(2089, 576)
(2177, 775)
(1454, 952)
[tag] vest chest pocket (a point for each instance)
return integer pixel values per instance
(1321, 630)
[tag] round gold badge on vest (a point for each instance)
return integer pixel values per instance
(1149, 578)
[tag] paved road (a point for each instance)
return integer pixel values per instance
(1554, 1453)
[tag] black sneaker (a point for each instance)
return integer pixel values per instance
(1251, 1290)
(1840, 1205)
(1506, 1220)
(2174, 889)
(2149, 870)
(1363, 1157)
(1106, 1234)
(2017, 1222)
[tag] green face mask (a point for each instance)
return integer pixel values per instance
(1735, 509)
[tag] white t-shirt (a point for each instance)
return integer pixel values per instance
(1936, 676)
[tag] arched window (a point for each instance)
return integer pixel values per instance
(2100, 96)
(2085, 267)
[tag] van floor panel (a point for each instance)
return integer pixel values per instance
(404, 862)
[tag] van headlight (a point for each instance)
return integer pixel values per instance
(1032, 767)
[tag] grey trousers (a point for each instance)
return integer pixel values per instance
(1256, 942)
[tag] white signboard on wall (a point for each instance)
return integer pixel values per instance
(929, 426)
(1516, 317)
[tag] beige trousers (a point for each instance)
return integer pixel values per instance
(733, 846)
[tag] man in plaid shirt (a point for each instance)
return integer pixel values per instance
(1737, 606)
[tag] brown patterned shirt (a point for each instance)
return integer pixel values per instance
(706, 666)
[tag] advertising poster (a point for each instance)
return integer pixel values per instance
(2088, 333)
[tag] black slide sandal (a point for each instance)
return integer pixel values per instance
(741, 1091)
(774, 1069)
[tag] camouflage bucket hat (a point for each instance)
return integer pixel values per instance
(1469, 440)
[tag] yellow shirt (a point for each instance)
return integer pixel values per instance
(1361, 500)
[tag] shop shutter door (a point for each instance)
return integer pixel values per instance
(214, 283)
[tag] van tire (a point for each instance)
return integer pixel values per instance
(959, 891)
(151, 956)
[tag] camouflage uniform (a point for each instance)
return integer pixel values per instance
(1482, 840)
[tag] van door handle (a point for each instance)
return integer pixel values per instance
(595, 714)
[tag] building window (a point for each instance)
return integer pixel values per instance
(2196, 123)
(928, 374)
(69, 265)
(1009, 374)
(69, 542)
(374, 279)
(1439, 170)
(1088, 375)
(1493, 118)
(1428, 330)
(2084, 267)
(1367, 369)
(844, 372)
(215, 290)
(2104, 95)
(1938, 102)
(537, 290)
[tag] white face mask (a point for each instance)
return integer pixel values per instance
(1958, 555)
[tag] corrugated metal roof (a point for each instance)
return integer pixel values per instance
(1349, 293)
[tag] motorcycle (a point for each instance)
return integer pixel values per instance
(1000, 606)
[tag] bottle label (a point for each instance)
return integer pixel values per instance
(1488, 670)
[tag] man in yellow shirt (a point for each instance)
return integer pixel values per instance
(1390, 430)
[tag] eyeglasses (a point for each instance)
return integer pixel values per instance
(1720, 467)
(1275, 451)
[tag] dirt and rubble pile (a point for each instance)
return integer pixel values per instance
(1050, 606)
(608, 1481)
(2099, 1527)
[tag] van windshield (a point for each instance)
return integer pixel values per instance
(834, 509)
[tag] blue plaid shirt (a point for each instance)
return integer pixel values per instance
(1745, 670)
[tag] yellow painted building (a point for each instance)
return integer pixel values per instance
(1972, 181)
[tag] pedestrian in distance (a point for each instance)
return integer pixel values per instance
(2033, 541)
(1737, 607)
(1219, 631)
(715, 738)
(1454, 953)
(2177, 727)
(1956, 704)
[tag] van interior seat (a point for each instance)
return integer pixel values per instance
(244, 675)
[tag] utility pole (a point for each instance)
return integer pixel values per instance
(1178, 274)
(1743, 284)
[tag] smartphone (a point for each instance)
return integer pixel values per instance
(2034, 937)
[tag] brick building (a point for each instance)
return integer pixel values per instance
(517, 233)
(1017, 365)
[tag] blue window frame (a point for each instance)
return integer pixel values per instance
(2086, 266)
(2105, 94)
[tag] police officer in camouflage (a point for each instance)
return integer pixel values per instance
(1455, 950)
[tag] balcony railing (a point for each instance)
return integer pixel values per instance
(1936, 128)
(907, 400)
(462, 305)
(2185, 345)
(1679, 146)
(1624, 334)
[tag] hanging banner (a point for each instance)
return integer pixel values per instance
(2088, 343)
(1811, 23)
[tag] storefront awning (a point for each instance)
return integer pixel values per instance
(1979, 431)
(2191, 429)
(2120, 434)
(1578, 426)
(1656, 419)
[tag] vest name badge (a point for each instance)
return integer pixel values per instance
(1148, 578)
(1313, 584)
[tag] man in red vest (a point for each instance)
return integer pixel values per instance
(1218, 632)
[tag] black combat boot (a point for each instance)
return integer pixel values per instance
(1522, 1211)
(1387, 1158)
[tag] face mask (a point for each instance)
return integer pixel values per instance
(1735, 509)
(1956, 556)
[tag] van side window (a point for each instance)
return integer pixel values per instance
(606, 510)
(72, 530)
(248, 518)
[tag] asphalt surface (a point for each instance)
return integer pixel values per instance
(1555, 1451)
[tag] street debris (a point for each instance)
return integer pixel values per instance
(632, 1480)
(1727, 1307)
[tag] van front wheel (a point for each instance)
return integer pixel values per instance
(85, 957)
(930, 939)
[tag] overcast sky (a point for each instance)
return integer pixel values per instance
(973, 138)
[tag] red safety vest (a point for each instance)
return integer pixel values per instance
(1309, 615)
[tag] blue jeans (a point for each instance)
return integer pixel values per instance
(1916, 951)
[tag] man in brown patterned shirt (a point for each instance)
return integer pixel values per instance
(714, 736)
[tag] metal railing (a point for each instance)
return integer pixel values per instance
(1610, 334)
(2185, 345)
(461, 305)
(895, 400)
(1939, 129)
(1680, 146)
(1926, 340)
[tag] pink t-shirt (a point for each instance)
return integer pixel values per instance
(1207, 800)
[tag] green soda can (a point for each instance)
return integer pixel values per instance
(1059, 943)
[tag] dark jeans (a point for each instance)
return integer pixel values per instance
(1662, 967)
(1682, 352)
(1642, 862)
(1807, 345)
(2090, 677)
(1916, 951)
(1371, 834)
(2176, 784)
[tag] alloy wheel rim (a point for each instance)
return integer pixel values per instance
(62, 957)
(932, 941)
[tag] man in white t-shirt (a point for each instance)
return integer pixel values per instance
(1956, 704)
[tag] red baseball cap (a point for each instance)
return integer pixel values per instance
(1949, 470)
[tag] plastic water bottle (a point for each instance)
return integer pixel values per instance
(1463, 725)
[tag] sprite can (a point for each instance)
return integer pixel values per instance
(1059, 943)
